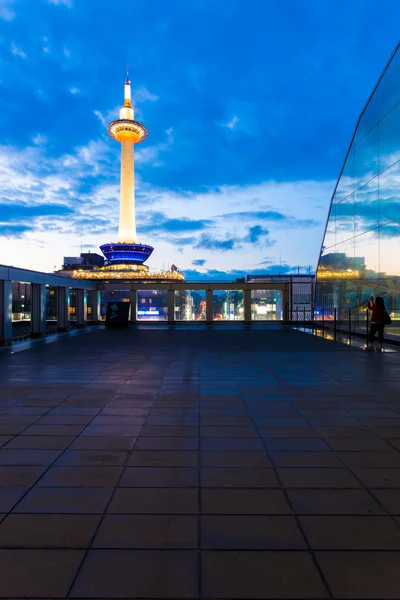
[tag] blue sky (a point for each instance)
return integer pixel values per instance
(250, 107)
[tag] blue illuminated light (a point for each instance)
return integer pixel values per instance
(126, 253)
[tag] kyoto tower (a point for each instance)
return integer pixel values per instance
(128, 132)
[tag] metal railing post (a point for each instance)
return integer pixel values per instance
(349, 324)
(367, 322)
(323, 317)
(334, 323)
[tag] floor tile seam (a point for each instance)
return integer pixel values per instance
(366, 488)
(116, 486)
(289, 503)
(85, 554)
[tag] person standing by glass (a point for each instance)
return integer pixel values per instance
(378, 321)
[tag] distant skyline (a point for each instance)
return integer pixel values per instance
(250, 107)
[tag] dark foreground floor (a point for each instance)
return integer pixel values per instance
(186, 464)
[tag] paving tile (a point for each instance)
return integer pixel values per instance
(154, 501)
(103, 443)
(235, 459)
(226, 421)
(305, 459)
(351, 532)
(390, 499)
(65, 500)
(358, 444)
(262, 574)
(296, 444)
(137, 574)
(379, 477)
(9, 496)
(333, 502)
(361, 574)
(171, 458)
(69, 430)
(92, 457)
(111, 430)
(147, 532)
(20, 475)
(27, 457)
(170, 431)
(167, 443)
(233, 477)
(225, 444)
(317, 478)
(240, 532)
(48, 531)
(36, 442)
(180, 477)
(244, 502)
(38, 573)
(370, 459)
(82, 476)
(65, 420)
(228, 432)
(287, 432)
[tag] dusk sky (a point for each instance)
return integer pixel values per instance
(250, 107)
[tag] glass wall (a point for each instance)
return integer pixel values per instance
(228, 305)
(152, 305)
(107, 296)
(21, 308)
(360, 251)
(266, 305)
(190, 305)
(51, 307)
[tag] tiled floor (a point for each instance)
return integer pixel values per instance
(224, 463)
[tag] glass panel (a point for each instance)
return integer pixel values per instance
(152, 305)
(72, 306)
(345, 219)
(389, 194)
(368, 119)
(389, 136)
(51, 308)
(21, 309)
(389, 244)
(389, 90)
(190, 305)
(366, 207)
(346, 182)
(107, 296)
(366, 161)
(228, 305)
(367, 255)
(330, 234)
(266, 305)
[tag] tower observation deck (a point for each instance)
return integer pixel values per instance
(127, 132)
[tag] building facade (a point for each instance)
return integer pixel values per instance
(360, 254)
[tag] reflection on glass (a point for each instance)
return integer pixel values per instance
(360, 251)
(152, 305)
(107, 296)
(72, 306)
(51, 307)
(228, 305)
(266, 305)
(190, 305)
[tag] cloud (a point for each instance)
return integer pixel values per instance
(40, 139)
(232, 275)
(232, 123)
(158, 221)
(208, 243)
(255, 234)
(74, 90)
(6, 10)
(199, 262)
(142, 94)
(272, 216)
(17, 51)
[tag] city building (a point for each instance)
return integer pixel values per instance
(359, 257)
(125, 258)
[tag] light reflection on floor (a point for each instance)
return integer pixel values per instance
(353, 341)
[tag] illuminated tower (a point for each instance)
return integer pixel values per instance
(128, 132)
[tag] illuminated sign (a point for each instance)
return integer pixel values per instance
(148, 312)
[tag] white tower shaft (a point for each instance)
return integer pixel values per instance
(127, 221)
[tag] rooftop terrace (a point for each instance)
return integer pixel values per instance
(199, 463)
